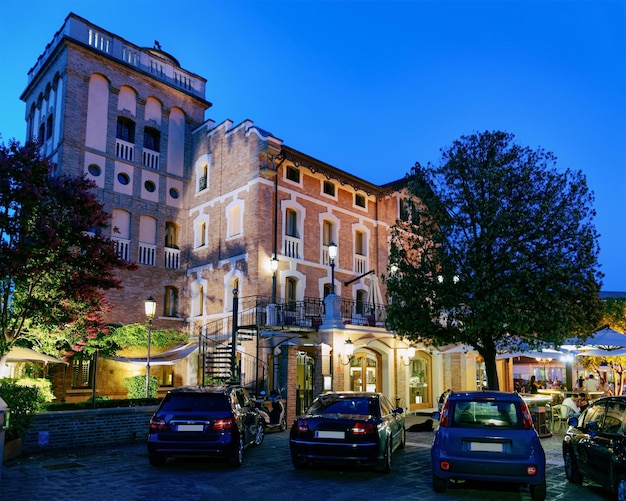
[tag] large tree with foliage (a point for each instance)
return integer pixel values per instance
(496, 249)
(55, 260)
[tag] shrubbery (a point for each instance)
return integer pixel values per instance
(23, 402)
(137, 386)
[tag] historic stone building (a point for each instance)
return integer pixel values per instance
(232, 229)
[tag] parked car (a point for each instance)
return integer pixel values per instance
(595, 445)
(217, 421)
(488, 436)
(348, 428)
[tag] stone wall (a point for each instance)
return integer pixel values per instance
(87, 428)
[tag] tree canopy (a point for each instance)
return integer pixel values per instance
(55, 260)
(495, 249)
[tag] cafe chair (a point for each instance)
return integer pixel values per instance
(559, 417)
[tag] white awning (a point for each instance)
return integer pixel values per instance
(169, 357)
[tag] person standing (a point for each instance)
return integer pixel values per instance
(591, 384)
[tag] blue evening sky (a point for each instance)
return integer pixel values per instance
(371, 87)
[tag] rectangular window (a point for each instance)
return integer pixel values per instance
(81, 373)
(292, 223)
(359, 240)
(293, 174)
(125, 130)
(359, 200)
(329, 188)
(327, 236)
(151, 139)
(170, 305)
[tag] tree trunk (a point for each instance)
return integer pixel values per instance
(488, 353)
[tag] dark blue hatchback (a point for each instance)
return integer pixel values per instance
(488, 436)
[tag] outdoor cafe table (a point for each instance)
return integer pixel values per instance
(537, 406)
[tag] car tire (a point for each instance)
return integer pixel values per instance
(385, 466)
(157, 459)
(260, 434)
(439, 484)
(572, 473)
(236, 459)
(538, 491)
(402, 444)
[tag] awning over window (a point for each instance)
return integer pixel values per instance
(169, 357)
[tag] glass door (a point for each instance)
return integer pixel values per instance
(365, 372)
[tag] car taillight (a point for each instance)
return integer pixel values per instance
(531, 470)
(223, 424)
(445, 466)
(158, 424)
(527, 420)
(302, 426)
(444, 417)
(364, 429)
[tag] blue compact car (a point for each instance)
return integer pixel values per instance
(488, 436)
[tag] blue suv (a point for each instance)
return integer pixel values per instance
(488, 436)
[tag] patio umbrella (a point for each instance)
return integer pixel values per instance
(374, 297)
(19, 354)
(603, 339)
(544, 354)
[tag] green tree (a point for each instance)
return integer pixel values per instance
(55, 260)
(496, 249)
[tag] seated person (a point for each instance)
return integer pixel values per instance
(572, 405)
(583, 403)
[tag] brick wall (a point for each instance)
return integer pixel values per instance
(87, 428)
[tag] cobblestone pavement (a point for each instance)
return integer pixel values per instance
(123, 473)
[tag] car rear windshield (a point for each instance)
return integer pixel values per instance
(332, 405)
(195, 402)
(486, 414)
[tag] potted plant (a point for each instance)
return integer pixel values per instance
(23, 402)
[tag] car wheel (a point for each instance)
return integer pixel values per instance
(571, 470)
(236, 459)
(260, 434)
(157, 459)
(402, 444)
(439, 484)
(386, 462)
(538, 491)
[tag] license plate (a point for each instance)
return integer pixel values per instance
(486, 447)
(190, 427)
(330, 434)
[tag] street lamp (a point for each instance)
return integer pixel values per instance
(332, 255)
(150, 305)
(274, 267)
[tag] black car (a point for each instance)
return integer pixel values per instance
(217, 421)
(356, 428)
(595, 445)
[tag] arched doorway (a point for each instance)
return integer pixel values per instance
(420, 382)
(366, 372)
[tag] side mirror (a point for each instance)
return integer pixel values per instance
(399, 410)
(573, 421)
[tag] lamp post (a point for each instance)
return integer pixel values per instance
(274, 267)
(150, 305)
(332, 255)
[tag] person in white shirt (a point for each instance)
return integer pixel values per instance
(572, 404)
(591, 384)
